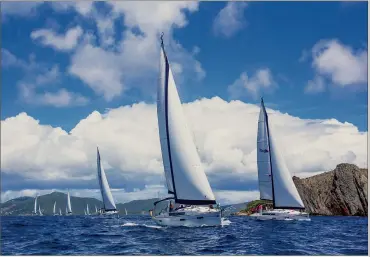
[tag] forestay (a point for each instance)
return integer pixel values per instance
(184, 174)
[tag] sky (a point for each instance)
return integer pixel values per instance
(78, 75)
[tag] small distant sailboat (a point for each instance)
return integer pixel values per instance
(87, 209)
(40, 212)
(96, 210)
(54, 212)
(69, 206)
(109, 207)
(60, 212)
(35, 206)
(275, 181)
(125, 211)
(192, 201)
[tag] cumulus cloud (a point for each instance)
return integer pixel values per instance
(262, 80)
(337, 64)
(230, 19)
(109, 67)
(224, 133)
(59, 42)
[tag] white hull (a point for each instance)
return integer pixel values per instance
(109, 213)
(190, 217)
(281, 215)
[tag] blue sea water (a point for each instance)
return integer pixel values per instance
(138, 235)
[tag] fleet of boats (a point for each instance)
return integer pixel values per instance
(190, 200)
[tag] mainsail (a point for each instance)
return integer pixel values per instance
(54, 207)
(69, 207)
(87, 209)
(35, 207)
(275, 181)
(106, 194)
(60, 212)
(184, 173)
(40, 210)
(96, 209)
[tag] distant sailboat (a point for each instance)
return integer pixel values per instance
(40, 212)
(35, 206)
(96, 210)
(60, 212)
(275, 181)
(125, 211)
(192, 202)
(109, 207)
(54, 212)
(87, 209)
(69, 207)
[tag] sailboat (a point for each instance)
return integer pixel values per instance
(87, 209)
(69, 207)
(85, 212)
(96, 210)
(275, 181)
(109, 207)
(40, 212)
(35, 206)
(60, 212)
(192, 202)
(54, 209)
(125, 211)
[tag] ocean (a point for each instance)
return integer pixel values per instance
(138, 235)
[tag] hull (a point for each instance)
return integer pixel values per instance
(109, 213)
(195, 217)
(281, 215)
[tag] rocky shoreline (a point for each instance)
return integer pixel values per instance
(340, 192)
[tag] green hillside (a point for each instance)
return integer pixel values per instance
(25, 205)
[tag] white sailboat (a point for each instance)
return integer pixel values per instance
(192, 201)
(69, 206)
(40, 212)
(96, 210)
(87, 209)
(109, 207)
(275, 181)
(125, 211)
(35, 206)
(85, 212)
(60, 212)
(54, 213)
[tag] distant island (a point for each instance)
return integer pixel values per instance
(24, 205)
(340, 192)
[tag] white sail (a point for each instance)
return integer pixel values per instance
(35, 207)
(69, 207)
(125, 211)
(87, 209)
(263, 158)
(54, 207)
(285, 194)
(40, 210)
(184, 173)
(107, 197)
(66, 210)
(60, 212)
(96, 209)
(85, 212)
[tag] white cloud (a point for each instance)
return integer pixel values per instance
(337, 64)
(59, 42)
(230, 19)
(109, 67)
(316, 85)
(224, 132)
(262, 80)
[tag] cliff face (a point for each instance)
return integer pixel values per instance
(342, 191)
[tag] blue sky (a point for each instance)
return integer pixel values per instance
(63, 61)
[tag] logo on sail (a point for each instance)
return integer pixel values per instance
(264, 150)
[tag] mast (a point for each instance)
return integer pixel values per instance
(269, 149)
(185, 176)
(284, 193)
